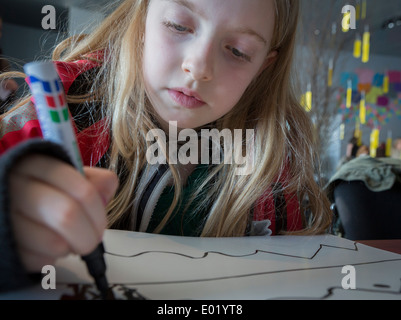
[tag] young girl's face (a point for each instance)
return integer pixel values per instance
(201, 55)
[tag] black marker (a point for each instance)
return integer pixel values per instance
(52, 110)
(97, 269)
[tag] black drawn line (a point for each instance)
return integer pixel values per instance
(329, 290)
(90, 292)
(256, 274)
(205, 254)
(384, 286)
(330, 293)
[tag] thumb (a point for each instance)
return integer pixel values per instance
(105, 181)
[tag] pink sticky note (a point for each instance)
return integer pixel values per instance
(365, 75)
(382, 101)
(394, 76)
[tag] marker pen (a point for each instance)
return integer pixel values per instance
(53, 115)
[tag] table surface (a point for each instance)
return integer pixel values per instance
(388, 245)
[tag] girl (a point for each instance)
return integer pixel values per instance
(203, 64)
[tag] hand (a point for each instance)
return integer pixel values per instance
(56, 211)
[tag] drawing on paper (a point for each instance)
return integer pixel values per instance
(148, 266)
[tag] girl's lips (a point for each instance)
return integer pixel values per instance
(186, 98)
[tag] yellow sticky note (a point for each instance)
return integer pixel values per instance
(308, 100)
(376, 136)
(330, 78)
(374, 142)
(346, 21)
(358, 136)
(389, 143)
(366, 47)
(349, 98)
(358, 11)
(386, 84)
(357, 48)
(363, 9)
(342, 131)
(362, 112)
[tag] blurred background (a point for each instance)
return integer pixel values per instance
(350, 80)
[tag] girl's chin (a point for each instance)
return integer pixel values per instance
(181, 123)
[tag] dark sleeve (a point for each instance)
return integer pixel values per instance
(12, 273)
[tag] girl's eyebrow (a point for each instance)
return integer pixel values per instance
(251, 32)
(190, 6)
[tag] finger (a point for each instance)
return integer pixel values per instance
(35, 237)
(68, 180)
(57, 211)
(105, 182)
(34, 262)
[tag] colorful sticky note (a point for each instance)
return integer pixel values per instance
(362, 112)
(364, 87)
(356, 96)
(371, 96)
(357, 47)
(330, 78)
(394, 76)
(396, 87)
(345, 76)
(389, 143)
(363, 10)
(378, 80)
(365, 75)
(308, 101)
(349, 96)
(382, 101)
(386, 84)
(342, 131)
(346, 21)
(366, 47)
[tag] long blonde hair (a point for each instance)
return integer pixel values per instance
(283, 140)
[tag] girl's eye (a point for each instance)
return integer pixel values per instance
(176, 27)
(238, 54)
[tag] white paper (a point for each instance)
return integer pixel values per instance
(149, 266)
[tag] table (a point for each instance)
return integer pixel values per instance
(388, 245)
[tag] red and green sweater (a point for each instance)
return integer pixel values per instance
(282, 211)
(20, 135)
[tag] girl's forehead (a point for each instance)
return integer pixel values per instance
(207, 7)
(258, 15)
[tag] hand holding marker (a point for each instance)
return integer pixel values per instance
(53, 116)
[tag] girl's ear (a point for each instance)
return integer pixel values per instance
(271, 57)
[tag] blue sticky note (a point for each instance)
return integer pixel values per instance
(378, 80)
(345, 76)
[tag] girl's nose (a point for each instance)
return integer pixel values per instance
(198, 63)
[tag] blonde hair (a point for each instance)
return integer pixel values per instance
(283, 131)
